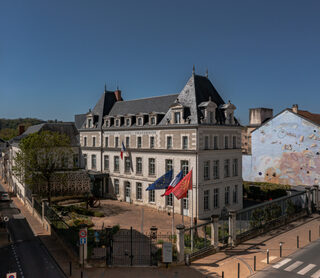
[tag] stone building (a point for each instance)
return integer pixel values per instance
(285, 149)
(194, 129)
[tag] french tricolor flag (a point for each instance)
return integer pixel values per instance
(123, 149)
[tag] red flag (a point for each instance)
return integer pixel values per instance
(181, 189)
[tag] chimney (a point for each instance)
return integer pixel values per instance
(295, 108)
(22, 129)
(117, 94)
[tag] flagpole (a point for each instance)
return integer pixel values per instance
(172, 231)
(191, 218)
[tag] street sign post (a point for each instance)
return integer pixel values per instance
(12, 275)
(83, 236)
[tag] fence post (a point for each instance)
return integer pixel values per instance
(297, 241)
(180, 242)
(267, 256)
(214, 231)
(232, 228)
(254, 263)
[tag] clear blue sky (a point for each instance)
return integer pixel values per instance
(55, 56)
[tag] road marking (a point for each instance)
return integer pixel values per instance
(271, 258)
(316, 274)
(282, 263)
(306, 269)
(293, 266)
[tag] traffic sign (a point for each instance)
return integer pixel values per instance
(83, 233)
(83, 240)
(12, 275)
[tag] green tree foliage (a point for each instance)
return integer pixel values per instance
(40, 157)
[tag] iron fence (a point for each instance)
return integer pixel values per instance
(37, 206)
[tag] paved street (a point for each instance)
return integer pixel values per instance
(304, 263)
(25, 254)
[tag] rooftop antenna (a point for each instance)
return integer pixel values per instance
(207, 73)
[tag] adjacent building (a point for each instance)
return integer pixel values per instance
(285, 149)
(194, 129)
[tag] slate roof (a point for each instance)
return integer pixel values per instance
(67, 128)
(79, 120)
(158, 104)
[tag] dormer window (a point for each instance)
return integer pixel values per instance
(177, 117)
(89, 123)
(153, 120)
(139, 121)
(211, 118)
(127, 122)
(107, 123)
(117, 122)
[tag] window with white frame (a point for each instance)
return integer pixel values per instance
(116, 186)
(226, 195)
(93, 161)
(127, 142)
(153, 120)
(127, 164)
(93, 141)
(85, 141)
(216, 197)
(226, 168)
(89, 123)
(139, 142)
(169, 200)
(235, 194)
(151, 142)
(185, 142)
(106, 142)
(139, 191)
(226, 142)
(184, 167)
(117, 122)
(206, 170)
(116, 163)
(168, 165)
(152, 196)
(106, 162)
(127, 122)
(139, 121)
(152, 166)
(169, 142)
(177, 117)
(211, 115)
(206, 199)
(139, 165)
(235, 167)
(216, 169)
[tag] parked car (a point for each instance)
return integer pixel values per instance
(4, 196)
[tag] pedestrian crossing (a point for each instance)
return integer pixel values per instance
(298, 267)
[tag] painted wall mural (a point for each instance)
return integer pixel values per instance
(285, 150)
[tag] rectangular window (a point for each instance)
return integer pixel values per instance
(151, 142)
(127, 142)
(206, 199)
(185, 142)
(235, 167)
(152, 196)
(235, 194)
(139, 121)
(169, 142)
(127, 122)
(116, 164)
(85, 161)
(93, 161)
(226, 168)
(206, 142)
(152, 166)
(127, 164)
(93, 141)
(216, 169)
(117, 122)
(169, 200)
(211, 117)
(226, 195)
(216, 198)
(116, 187)
(106, 162)
(226, 142)
(106, 140)
(215, 142)
(89, 123)
(168, 165)
(139, 165)
(139, 190)
(85, 141)
(206, 170)
(139, 140)
(177, 117)
(184, 167)
(75, 160)
(116, 142)
(234, 142)
(153, 120)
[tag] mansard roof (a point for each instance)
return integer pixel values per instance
(159, 104)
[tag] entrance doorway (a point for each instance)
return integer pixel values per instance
(127, 190)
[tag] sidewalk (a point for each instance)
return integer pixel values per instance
(243, 254)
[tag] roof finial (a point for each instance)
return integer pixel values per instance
(207, 73)
(105, 87)
(193, 70)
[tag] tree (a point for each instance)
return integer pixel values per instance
(41, 156)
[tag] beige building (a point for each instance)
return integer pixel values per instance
(194, 129)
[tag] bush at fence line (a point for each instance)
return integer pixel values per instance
(257, 218)
(223, 233)
(290, 208)
(272, 212)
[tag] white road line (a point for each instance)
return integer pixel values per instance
(271, 258)
(316, 274)
(293, 266)
(282, 263)
(306, 269)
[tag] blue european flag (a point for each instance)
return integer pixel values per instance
(162, 182)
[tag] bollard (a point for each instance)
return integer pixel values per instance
(280, 249)
(309, 235)
(254, 263)
(238, 270)
(70, 268)
(267, 256)
(297, 241)
(222, 274)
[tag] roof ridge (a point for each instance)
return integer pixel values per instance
(147, 98)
